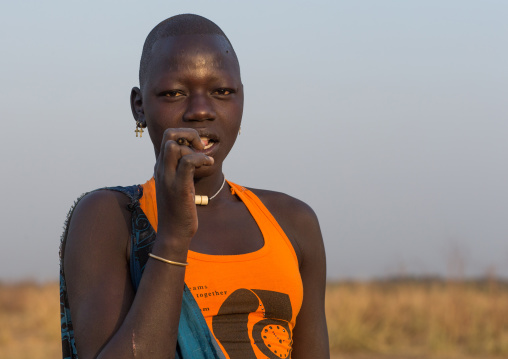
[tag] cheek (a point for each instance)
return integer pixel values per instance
(156, 125)
(234, 116)
(159, 117)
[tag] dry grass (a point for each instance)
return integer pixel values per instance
(419, 318)
(388, 319)
(30, 321)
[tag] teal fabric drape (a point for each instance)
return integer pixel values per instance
(195, 341)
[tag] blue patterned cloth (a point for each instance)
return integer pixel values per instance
(194, 338)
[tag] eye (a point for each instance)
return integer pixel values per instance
(172, 93)
(223, 91)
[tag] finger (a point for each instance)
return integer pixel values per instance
(185, 137)
(183, 142)
(169, 156)
(173, 134)
(189, 163)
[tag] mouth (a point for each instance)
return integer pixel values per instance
(210, 143)
(207, 142)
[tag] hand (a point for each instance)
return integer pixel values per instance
(174, 182)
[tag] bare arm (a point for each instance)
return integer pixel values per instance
(299, 222)
(110, 321)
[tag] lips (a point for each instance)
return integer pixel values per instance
(207, 142)
(210, 142)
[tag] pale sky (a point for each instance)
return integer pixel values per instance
(389, 118)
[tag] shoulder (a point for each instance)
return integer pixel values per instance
(296, 218)
(101, 204)
(284, 205)
(98, 216)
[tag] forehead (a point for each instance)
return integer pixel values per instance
(192, 52)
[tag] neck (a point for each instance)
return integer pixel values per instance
(209, 185)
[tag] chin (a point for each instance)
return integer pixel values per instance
(204, 171)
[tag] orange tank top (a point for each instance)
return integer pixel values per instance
(250, 301)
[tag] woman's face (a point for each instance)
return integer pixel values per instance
(193, 81)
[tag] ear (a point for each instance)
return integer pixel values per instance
(137, 106)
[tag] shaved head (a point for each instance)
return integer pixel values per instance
(185, 24)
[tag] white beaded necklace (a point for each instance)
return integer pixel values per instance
(203, 200)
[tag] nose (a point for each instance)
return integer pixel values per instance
(199, 108)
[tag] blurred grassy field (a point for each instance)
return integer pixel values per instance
(420, 319)
(29, 321)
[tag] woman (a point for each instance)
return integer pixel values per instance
(153, 271)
